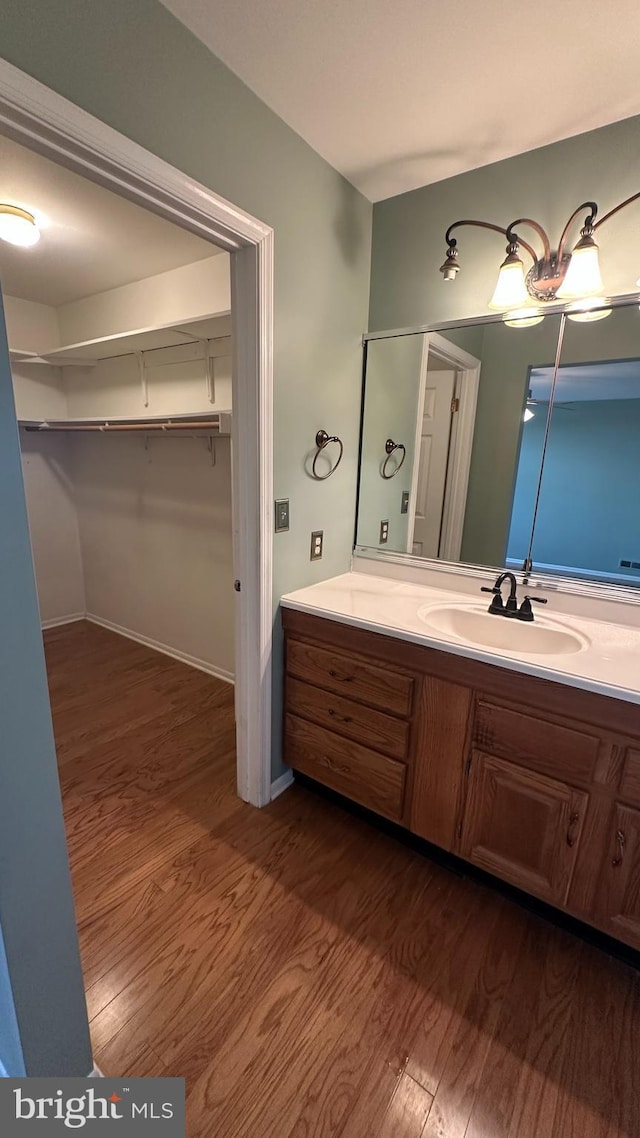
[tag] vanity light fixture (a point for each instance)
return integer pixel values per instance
(587, 310)
(18, 226)
(523, 317)
(554, 274)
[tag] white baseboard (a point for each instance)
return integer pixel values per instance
(281, 784)
(57, 621)
(183, 657)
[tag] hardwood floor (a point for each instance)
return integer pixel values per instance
(308, 975)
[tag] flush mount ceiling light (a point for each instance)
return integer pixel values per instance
(18, 226)
(555, 274)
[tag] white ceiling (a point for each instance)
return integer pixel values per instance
(398, 95)
(577, 383)
(92, 240)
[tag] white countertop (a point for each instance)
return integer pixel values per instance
(609, 664)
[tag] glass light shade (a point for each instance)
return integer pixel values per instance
(511, 290)
(528, 414)
(583, 276)
(17, 226)
(523, 318)
(588, 310)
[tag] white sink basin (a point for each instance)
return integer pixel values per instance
(475, 624)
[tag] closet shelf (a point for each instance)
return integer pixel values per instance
(89, 352)
(219, 422)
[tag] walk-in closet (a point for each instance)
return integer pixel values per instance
(119, 327)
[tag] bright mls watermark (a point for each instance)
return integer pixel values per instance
(132, 1108)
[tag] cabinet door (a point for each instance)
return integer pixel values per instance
(619, 892)
(522, 826)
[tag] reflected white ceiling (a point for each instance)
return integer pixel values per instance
(398, 95)
(619, 379)
(92, 239)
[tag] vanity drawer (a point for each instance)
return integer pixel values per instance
(351, 676)
(360, 774)
(630, 781)
(533, 741)
(344, 716)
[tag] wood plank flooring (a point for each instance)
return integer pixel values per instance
(309, 976)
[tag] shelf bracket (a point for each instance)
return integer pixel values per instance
(209, 371)
(144, 382)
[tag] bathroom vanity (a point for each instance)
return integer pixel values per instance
(525, 761)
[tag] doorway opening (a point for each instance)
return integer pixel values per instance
(36, 118)
(449, 378)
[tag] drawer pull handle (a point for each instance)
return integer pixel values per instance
(336, 676)
(340, 718)
(573, 821)
(620, 838)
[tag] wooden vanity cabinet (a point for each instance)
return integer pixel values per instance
(522, 826)
(618, 899)
(535, 782)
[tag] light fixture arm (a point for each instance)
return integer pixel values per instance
(616, 209)
(588, 223)
(451, 241)
(512, 236)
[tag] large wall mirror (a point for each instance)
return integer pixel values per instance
(496, 446)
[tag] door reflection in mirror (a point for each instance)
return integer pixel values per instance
(456, 399)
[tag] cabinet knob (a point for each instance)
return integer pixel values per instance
(340, 718)
(336, 676)
(620, 838)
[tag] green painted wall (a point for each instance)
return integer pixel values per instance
(407, 288)
(36, 906)
(139, 70)
(546, 184)
(134, 66)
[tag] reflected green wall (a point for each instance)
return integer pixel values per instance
(506, 354)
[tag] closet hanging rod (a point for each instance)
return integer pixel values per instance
(143, 425)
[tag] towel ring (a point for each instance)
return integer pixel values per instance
(323, 440)
(391, 448)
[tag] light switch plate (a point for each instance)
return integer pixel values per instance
(317, 538)
(404, 504)
(384, 531)
(282, 514)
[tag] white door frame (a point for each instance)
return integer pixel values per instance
(457, 481)
(37, 117)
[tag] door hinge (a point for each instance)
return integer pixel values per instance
(455, 404)
(467, 768)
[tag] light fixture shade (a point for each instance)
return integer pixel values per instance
(511, 290)
(523, 318)
(528, 414)
(583, 276)
(586, 311)
(17, 226)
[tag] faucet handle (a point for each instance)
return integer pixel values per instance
(497, 604)
(525, 611)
